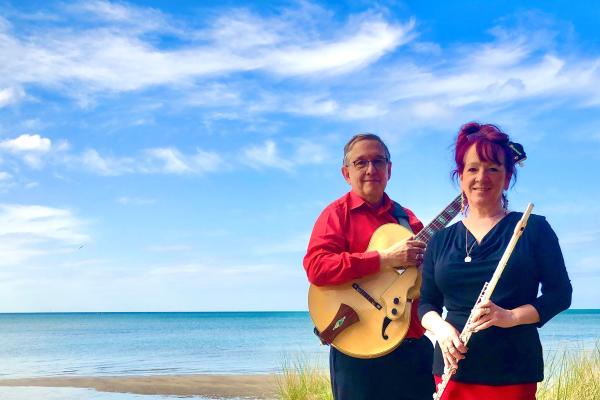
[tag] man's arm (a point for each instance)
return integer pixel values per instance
(327, 260)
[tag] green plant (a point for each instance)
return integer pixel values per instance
(572, 376)
(569, 376)
(302, 379)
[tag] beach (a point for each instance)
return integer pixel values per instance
(150, 356)
(212, 386)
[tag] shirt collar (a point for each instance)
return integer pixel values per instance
(355, 201)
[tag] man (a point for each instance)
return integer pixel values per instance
(337, 254)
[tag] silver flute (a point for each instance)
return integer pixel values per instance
(484, 295)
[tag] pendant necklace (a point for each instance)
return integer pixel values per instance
(467, 248)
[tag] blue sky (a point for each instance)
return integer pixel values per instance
(173, 156)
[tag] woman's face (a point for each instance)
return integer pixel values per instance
(482, 181)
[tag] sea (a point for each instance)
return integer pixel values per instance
(178, 343)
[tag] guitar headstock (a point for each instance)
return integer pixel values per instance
(518, 152)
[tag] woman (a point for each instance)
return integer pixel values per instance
(504, 358)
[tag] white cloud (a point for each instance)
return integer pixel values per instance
(373, 38)
(11, 95)
(242, 30)
(6, 181)
(40, 221)
(364, 110)
(497, 73)
(426, 47)
(108, 166)
(119, 57)
(474, 79)
(34, 150)
(309, 152)
(165, 160)
(314, 105)
(28, 231)
(171, 159)
(265, 155)
(505, 54)
(110, 11)
(429, 109)
(213, 95)
(30, 148)
(27, 143)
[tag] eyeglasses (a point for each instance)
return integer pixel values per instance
(378, 163)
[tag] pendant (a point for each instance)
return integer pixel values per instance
(468, 259)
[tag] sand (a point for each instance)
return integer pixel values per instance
(220, 386)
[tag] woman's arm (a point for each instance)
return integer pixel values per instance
(556, 289)
(430, 309)
(555, 286)
(447, 336)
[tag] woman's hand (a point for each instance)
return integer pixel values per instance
(448, 338)
(489, 314)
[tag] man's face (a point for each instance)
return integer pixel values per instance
(368, 182)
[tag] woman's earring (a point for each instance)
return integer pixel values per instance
(504, 201)
(463, 203)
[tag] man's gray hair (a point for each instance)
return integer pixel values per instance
(363, 136)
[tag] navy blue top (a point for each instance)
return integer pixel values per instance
(496, 356)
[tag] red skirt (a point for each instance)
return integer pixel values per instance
(474, 391)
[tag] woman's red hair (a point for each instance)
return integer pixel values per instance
(491, 146)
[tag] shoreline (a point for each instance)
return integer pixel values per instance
(220, 386)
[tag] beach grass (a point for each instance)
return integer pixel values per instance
(570, 375)
(303, 379)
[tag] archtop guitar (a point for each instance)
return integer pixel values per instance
(370, 316)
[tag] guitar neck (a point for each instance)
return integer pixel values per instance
(440, 221)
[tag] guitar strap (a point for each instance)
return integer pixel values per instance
(401, 216)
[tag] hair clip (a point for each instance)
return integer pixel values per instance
(518, 153)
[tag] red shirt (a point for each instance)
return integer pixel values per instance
(337, 248)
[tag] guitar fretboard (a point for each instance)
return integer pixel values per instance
(440, 221)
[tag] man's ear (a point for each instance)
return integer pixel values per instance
(389, 167)
(346, 174)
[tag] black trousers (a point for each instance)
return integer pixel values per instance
(404, 374)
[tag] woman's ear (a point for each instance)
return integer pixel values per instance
(507, 181)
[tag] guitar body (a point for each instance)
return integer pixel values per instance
(377, 331)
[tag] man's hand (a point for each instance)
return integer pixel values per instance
(403, 254)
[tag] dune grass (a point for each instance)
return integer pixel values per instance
(303, 379)
(572, 376)
(569, 376)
